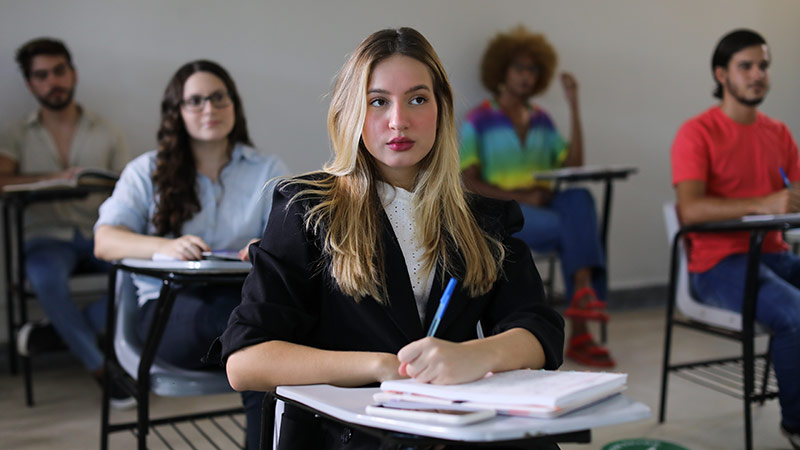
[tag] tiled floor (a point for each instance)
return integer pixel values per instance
(67, 411)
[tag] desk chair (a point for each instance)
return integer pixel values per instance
(724, 374)
(125, 362)
(84, 287)
(18, 292)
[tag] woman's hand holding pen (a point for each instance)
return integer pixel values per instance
(432, 360)
(186, 248)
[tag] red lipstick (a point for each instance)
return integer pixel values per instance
(400, 144)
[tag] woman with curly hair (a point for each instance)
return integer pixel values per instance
(203, 189)
(505, 140)
(352, 265)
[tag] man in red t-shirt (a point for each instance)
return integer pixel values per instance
(728, 162)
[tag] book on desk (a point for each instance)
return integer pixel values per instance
(524, 393)
(84, 177)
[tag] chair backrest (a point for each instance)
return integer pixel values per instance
(165, 379)
(684, 300)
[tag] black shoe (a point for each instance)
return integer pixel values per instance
(793, 436)
(119, 397)
(38, 337)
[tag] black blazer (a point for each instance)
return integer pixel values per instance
(290, 296)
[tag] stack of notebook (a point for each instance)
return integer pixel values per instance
(527, 393)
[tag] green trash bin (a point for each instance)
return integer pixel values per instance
(642, 444)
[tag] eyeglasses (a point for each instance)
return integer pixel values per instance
(196, 103)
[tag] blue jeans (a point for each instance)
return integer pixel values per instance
(198, 317)
(778, 308)
(48, 266)
(568, 226)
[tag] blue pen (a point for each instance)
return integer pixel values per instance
(448, 292)
(785, 178)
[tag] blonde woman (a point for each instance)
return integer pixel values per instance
(355, 257)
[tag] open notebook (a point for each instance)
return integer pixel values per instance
(84, 177)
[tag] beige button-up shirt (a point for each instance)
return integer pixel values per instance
(96, 144)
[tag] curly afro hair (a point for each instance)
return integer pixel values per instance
(504, 47)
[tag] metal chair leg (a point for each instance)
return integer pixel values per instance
(27, 374)
(673, 274)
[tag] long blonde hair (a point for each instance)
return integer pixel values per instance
(350, 211)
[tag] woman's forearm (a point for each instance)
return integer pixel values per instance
(514, 349)
(115, 242)
(575, 153)
(264, 366)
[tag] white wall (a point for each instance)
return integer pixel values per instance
(643, 68)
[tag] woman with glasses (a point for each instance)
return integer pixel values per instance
(356, 257)
(203, 189)
(505, 140)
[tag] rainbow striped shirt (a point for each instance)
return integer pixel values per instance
(489, 141)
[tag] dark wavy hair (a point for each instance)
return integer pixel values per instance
(729, 45)
(504, 47)
(175, 173)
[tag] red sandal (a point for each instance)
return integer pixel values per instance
(583, 350)
(593, 310)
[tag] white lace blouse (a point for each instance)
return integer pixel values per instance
(399, 206)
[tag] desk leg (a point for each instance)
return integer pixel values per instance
(748, 319)
(608, 192)
(165, 301)
(673, 277)
(10, 311)
(20, 296)
(268, 421)
(109, 349)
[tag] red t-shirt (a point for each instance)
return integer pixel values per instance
(734, 161)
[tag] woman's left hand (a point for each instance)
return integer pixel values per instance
(244, 253)
(570, 85)
(432, 360)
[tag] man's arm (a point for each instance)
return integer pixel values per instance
(9, 175)
(695, 206)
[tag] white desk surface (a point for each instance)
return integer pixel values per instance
(347, 404)
(189, 266)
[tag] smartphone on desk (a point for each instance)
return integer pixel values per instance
(439, 416)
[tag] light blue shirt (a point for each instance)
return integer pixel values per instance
(233, 210)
